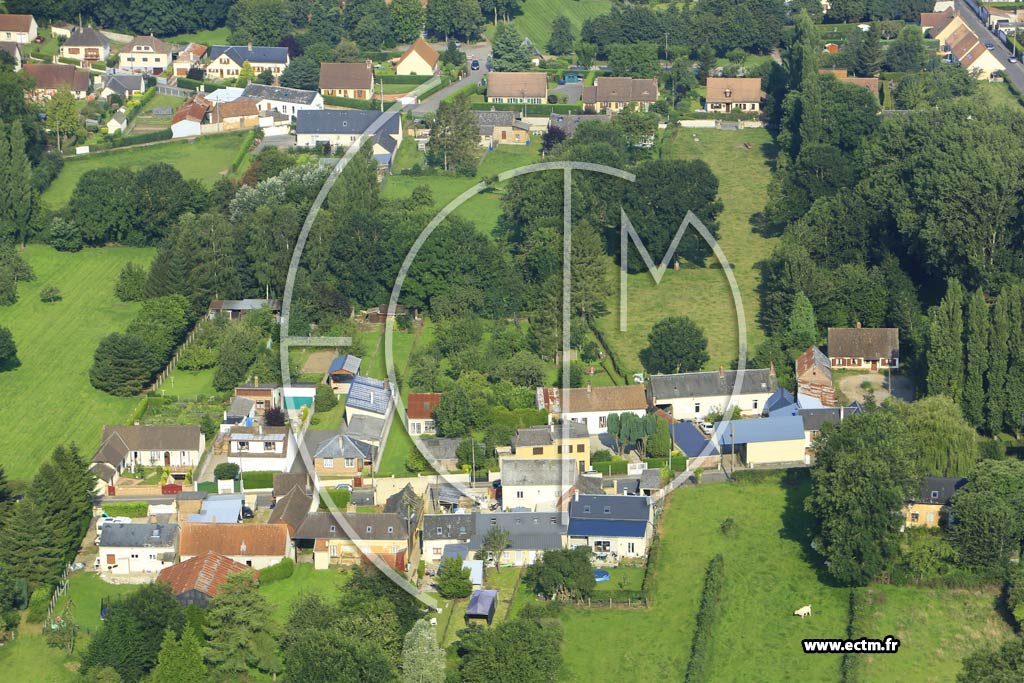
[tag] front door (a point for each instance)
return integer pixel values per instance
(874, 365)
(110, 560)
(167, 458)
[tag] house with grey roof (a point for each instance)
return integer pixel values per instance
(864, 347)
(134, 549)
(87, 45)
(288, 101)
(241, 411)
(566, 440)
(292, 508)
(225, 508)
(568, 123)
(259, 448)
(766, 441)
(537, 485)
(501, 128)
(233, 309)
(370, 397)
(348, 537)
(694, 395)
(441, 453)
(341, 371)
(612, 526)
(177, 447)
(344, 127)
(336, 455)
(226, 61)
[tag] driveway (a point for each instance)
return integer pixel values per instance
(858, 387)
(573, 92)
(282, 142)
(480, 51)
(1014, 72)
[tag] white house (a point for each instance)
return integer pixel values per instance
(537, 485)
(137, 548)
(530, 534)
(591, 405)
(613, 526)
(145, 53)
(419, 409)
(18, 28)
(261, 449)
(177, 447)
(188, 119)
(289, 101)
(255, 545)
(693, 395)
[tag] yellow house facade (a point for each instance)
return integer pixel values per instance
(930, 508)
(569, 440)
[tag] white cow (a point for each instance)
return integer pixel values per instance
(804, 611)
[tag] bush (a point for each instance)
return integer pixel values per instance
(131, 283)
(350, 103)
(243, 151)
(325, 398)
(38, 604)
(276, 572)
(601, 456)
(552, 98)
(852, 664)
(141, 138)
(132, 510)
(49, 294)
(225, 470)
(258, 480)
(699, 668)
(728, 526)
(65, 235)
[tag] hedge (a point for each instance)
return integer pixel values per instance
(141, 138)
(403, 80)
(852, 664)
(126, 509)
(142, 102)
(276, 572)
(531, 109)
(613, 467)
(69, 60)
(38, 604)
(350, 102)
(188, 83)
(243, 151)
(699, 668)
(678, 463)
(258, 480)
(444, 83)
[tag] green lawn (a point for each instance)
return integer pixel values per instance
(622, 578)
(217, 36)
(537, 16)
(86, 590)
(483, 209)
(770, 571)
(998, 94)
(281, 594)
(49, 397)
(703, 293)
(29, 658)
(207, 158)
(190, 383)
(330, 419)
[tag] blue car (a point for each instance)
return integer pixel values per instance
(475, 65)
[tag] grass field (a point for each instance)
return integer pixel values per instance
(483, 209)
(86, 591)
(703, 293)
(217, 36)
(536, 17)
(281, 594)
(49, 397)
(190, 383)
(207, 159)
(770, 571)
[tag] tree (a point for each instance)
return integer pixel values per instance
(275, 417)
(438, 17)
(131, 283)
(126, 641)
(1000, 665)
(49, 294)
(803, 327)
(122, 365)
(946, 344)
(494, 544)
(226, 470)
(180, 660)
(907, 53)
(8, 350)
(302, 73)
(452, 55)
(661, 441)
(508, 51)
(860, 481)
(998, 364)
(18, 205)
(261, 22)
(988, 511)
(466, 19)
(423, 659)
(325, 398)
(939, 441)
(239, 629)
(453, 579)
(563, 574)
(526, 649)
(65, 235)
(585, 54)
(552, 137)
(637, 60)
(61, 114)
(562, 38)
(407, 18)
(976, 332)
(246, 75)
(675, 344)
(867, 57)
(454, 136)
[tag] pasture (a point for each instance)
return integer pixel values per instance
(48, 397)
(536, 17)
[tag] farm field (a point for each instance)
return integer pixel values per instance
(703, 293)
(770, 571)
(207, 159)
(536, 17)
(49, 397)
(217, 36)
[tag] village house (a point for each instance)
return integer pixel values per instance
(690, 441)
(530, 534)
(177, 447)
(368, 397)
(419, 60)
(815, 418)
(145, 53)
(288, 101)
(940, 25)
(49, 78)
(378, 315)
(814, 376)
(613, 527)
(14, 51)
(347, 79)
(568, 440)
(613, 94)
(568, 123)
(261, 449)
(441, 453)
(930, 507)
(117, 123)
(226, 61)
(384, 534)
(338, 455)
(420, 413)
(343, 128)
(188, 59)
(764, 441)
(970, 52)
(864, 347)
(198, 580)
(292, 507)
(590, 406)
(342, 371)
(136, 548)
(266, 396)
(188, 119)
(241, 411)
(255, 545)
(725, 95)
(517, 87)
(239, 114)
(87, 45)
(18, 28)
(224, 508)
(123, 85)
(501, 127)
(870, 83)
(535, 485)
(694, 395)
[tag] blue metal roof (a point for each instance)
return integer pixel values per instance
(351, 121)
(607, 527)
(788, 428)
(690, 440)
(782, 398)
(366, 393)
(346, 363)
(222, 509)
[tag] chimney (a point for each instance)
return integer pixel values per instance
(858, 325)
(589, 387)
(152, 520)
(256, 380)
(250, 46)
(260, 429)
(576, 495)
(771, 369)
(721, 371)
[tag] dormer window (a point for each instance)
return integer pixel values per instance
(607, 509)
(728, 92)
(586, 509)
(439, 531)
(369, 529)
(333, 529)
(391, 529)
(935, 495)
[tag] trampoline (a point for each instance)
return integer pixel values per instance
(601, 575)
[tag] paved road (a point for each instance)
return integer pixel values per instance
(480, 51)
(1014, 72)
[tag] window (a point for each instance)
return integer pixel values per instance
(631, 548)
(428, 425)
(586, 509)
(602, 546)
(243, 446)
(519, 522)
(554, 520)
(333, 528)
(538, 450)
(268, 446)
(536, 520)
(696, 408)
(914, 517)
(391, 529)
(135, 556)
(755, 404)
(439, 531)
(350, 462)
(437, 552)
(579, 448)
(607, 509)
(935, 495)
(328, 463)
(248, 563)
(369, 529)
(930, 517)
(494, 521)
(333, 550)
(520, 494)
(602, 421)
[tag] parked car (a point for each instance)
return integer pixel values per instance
(475, 65)
(247, 512)
(347, 487)
(706, 427)
(990, 46)
(1013, 60)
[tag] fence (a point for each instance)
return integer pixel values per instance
(177, 354)
(639, 602)
(174, 91)
(61, 589)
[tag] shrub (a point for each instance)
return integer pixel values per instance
(38, 604)
(552, 98)
(699, 668)
(141, 138)
(276, 572)
(49, 294)
(601, 456)
(325, 398)
(728, 526)
(225, 470)
(126, 509)
(131, 283)
(65, 235)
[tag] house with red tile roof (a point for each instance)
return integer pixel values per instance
(196, 581)
(49, 78)
(420, 411)
(419, 60)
